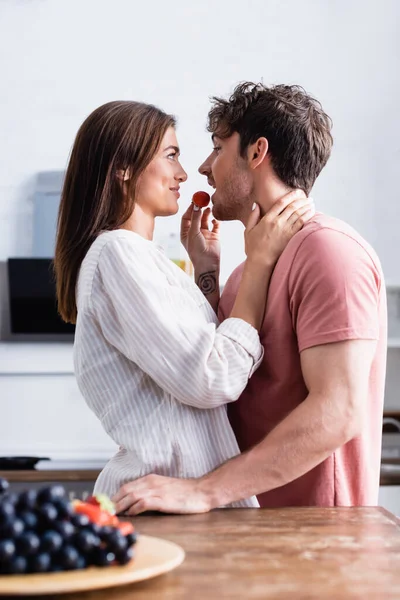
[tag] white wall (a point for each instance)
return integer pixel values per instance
(59, 59)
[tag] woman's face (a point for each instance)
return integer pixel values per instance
(157, 191)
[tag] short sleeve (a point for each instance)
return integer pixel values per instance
(334, 288)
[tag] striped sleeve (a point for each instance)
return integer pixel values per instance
(161, 328)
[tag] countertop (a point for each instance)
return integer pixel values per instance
(390, 474)
(299, 553)
(57, 475)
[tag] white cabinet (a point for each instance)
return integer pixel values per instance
(44, 413)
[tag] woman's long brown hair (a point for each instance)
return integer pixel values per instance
(116, 136)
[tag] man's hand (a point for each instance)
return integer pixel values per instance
(164, 494)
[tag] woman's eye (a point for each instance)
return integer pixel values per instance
(172, 155)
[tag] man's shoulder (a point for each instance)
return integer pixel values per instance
(328, 234)
(323, 224)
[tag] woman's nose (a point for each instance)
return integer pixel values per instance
(182, 175)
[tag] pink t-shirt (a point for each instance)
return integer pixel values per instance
(326, 287)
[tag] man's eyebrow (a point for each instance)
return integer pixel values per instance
(172, 148)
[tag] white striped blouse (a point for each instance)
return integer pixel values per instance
(154, 365)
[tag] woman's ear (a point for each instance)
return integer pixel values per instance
(123, 174)
(257, 152)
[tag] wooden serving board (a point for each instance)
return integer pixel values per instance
(153, 556)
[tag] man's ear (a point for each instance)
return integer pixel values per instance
(123, 174)
(257, 152)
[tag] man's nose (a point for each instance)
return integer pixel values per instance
(205, 168)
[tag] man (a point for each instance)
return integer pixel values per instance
(309, 422)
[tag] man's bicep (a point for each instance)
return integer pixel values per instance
(342, 368)
(334, 291)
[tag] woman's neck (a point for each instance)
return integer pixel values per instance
(141, 223)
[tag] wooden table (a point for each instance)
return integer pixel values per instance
(299, 553)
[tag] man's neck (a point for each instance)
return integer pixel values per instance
(269, 193)
(266, 194)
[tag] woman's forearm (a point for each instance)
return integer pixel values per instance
(207, 279)
(252, 293)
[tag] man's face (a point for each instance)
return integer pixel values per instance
(231, 177)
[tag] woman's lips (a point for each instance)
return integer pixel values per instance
(176, 191)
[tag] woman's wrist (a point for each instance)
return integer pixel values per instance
(206, 277)
(260, 262)
(206, 264)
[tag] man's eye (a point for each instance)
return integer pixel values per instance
(217, 149)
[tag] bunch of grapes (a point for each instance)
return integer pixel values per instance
(40, 532)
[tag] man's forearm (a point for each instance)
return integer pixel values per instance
(207, 280)
(300, 442)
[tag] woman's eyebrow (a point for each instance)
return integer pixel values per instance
(172, 148)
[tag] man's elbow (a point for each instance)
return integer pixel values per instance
(349, 421)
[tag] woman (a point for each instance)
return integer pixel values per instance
(150, 357)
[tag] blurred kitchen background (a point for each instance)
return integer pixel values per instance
(61, 59)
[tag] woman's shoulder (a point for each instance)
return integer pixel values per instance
(119, 242)
(113, 249)
(120, 237)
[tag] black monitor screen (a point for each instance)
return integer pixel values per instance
(32, 291)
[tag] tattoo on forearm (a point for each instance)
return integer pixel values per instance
(207, 282)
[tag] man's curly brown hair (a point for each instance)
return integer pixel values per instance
(296, 127)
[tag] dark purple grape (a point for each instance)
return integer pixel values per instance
(51, 541)
(102, 557)
(11, 497)
(105, 532)
(17, 565)
(116, 542)
(68, 557)
(29, 519)
(125, 556)
(4, 485)
(80, 520)
(5, 525)
(14, 528)
(85, 541)
(51, 494)
(64, 508)
(7, 550)
(64, 528)
(40, 563)
(131, 538)
(27, 543)
(94, 528)
(82, 562)
(55, 568)
(7, 511)
(27, 500)
(48, 513)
